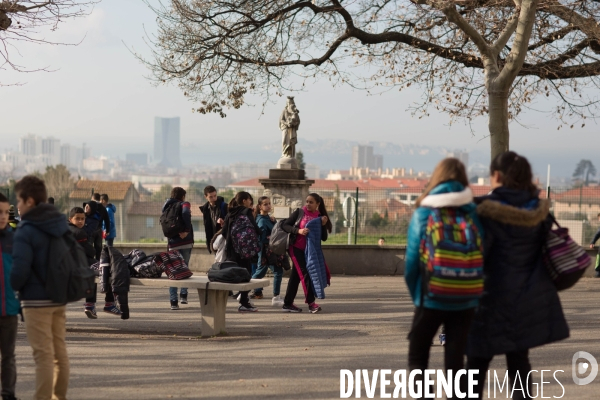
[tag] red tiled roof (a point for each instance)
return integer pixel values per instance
(588, 195)
(116, 191)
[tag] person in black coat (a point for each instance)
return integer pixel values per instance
(240, 205)
(213, 214)
(520, 308)
(96, 214)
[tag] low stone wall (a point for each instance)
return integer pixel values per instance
(341, 259)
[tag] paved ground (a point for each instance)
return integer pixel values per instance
(157, 353)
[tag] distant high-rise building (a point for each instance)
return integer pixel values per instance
(71, 156)
(166, 142)
(31, 145)
(137, 158)
(51, 148)
(363, 157)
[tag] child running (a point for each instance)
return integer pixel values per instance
(296, 226)
(266, 259)
(9, 306)
(77, 219)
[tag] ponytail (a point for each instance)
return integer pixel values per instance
(322, 210)
(238, 200)
(515, 172)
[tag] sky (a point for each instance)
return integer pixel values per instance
(99, 94)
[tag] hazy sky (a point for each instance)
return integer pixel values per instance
(99, 95)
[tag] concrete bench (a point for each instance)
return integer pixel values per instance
(213, 312)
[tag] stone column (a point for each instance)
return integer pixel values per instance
(287, 188)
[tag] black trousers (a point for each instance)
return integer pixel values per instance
(515, 361)
(299, 275)
(97, 241)
(425, 325)
(8, 339)
(109, 297)
(244, 263)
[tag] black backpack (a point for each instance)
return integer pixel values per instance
(171, 220)
(228, 272)
(68, 277)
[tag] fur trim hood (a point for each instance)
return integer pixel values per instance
(452, 199)
(511, 215)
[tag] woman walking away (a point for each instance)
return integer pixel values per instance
(520, 308)
(296, 226)
(266, 259)
(242, 239)
(444, 265)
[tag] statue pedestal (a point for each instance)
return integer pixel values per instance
(288, 164)
(287, 189)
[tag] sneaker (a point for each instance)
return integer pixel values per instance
(291, 308)
(174, 305)
(314, 308)
(257, 296)
(112, 309)
(183, 299)
(277, 301)
(442, 339)
(247, 308)
(91, 312)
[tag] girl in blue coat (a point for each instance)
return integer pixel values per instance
(448, 188)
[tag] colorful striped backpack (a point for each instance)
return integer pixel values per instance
(452, 257)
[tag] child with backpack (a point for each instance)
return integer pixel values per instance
(296, 226)
(9, 306)
(267, 260)
(45, 320)
(77, 225)
(241, 236)
(444, 265)
(176, 222)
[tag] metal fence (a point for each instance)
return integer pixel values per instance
(380, 213)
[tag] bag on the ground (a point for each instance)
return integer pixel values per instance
(228, 272)
(244, 238)
(68, 277)
(279, 241)
(171, 220)
(173, 264)
(566, 260)
(452, 257)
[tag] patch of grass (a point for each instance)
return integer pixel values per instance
(342, 238)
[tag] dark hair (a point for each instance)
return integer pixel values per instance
(515, 172)
(322, 210)
(178, 193)
(3, 198)
(209, 189)
(32, 186)
(96, 196)
(238, 200)
(50, 200)
(382, 238)
(258, 204)
(75, 210)
(104, 197)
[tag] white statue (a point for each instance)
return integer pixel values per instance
(288, 124)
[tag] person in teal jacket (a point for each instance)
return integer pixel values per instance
(9, 306)
(448, 187)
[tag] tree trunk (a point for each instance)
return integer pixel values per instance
(498, 122)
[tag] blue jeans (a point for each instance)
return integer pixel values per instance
(110, 242)
(186, 254)
(260, 273)
(254, 267)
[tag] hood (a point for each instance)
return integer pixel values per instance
(448, 194)
(111, 207)
(512, 215)
(168, 203)
(46, 218)
(235, 211)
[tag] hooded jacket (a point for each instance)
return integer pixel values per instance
(111, 210)
(447, 194)
(520, 307)
(114, 271)
(177, 243)
(30, 253)
(99, 213)
(209, 229)
(82, 238)
(9, 304)
(315, 260)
